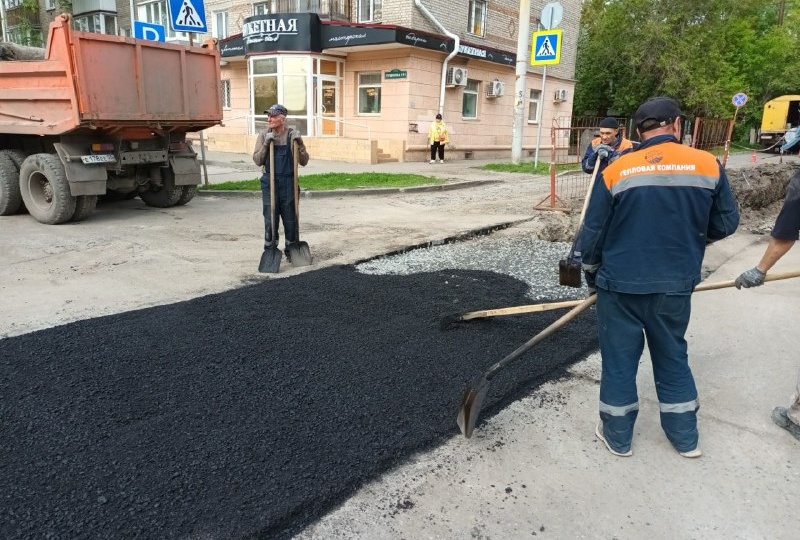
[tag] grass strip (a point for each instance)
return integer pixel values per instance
(331, 181)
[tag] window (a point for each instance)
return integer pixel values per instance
(20, 35)
(225, 87)
(477, 17)
(11, 4)
(285, 80)
(366, 10)
(99, 23)
(264, 8)
(158, 13)
(469, 102)
(533, 106)
(50, 5)
(219, 28)
(369, 93)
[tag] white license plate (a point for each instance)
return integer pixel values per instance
(99, 158)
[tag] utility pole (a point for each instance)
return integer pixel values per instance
(521, 71)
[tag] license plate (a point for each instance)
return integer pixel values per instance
(99, 158)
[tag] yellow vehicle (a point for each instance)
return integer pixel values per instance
(780, 115)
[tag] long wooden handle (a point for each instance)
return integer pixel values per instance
(731, 283)
(273, 222)
(582, 306)
(518, 310)
(585, 206)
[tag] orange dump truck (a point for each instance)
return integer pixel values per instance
(103, 115)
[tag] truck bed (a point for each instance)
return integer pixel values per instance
(98, 81)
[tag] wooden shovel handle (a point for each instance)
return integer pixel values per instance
(518, 310)
(731, 283)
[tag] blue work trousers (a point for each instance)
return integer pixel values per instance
(284, 208)
(624, 320)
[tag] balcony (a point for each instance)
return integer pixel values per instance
(18, 15)
(334, 10)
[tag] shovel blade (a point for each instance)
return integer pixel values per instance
(270, 261)
(299, 253)
(569, 273)
(471, 403)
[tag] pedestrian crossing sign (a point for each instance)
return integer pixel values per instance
(546, 47)
(188, 16)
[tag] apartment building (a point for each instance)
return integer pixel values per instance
(363, 79)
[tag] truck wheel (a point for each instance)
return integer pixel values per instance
(164, 196)
(84, 206)
(17, 156)
(10, 196)
(45, 189)
(187, 194)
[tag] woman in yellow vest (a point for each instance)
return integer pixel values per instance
(438, 136)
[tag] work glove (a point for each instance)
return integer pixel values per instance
(751, 278)
(604, 150)
(269, 136)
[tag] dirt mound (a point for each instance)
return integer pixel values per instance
(760, 190)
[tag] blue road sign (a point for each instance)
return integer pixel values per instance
(546, 47)
(188, 15)
(153, 32)
(739, 99)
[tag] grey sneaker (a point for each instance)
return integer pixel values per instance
(779, 417)
(696, 453)
(598, 431)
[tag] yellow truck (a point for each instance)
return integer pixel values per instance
(781, 114)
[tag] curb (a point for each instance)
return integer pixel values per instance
(352, 192)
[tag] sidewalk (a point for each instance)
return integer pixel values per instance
(230, 166)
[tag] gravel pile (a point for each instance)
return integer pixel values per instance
(532, 261)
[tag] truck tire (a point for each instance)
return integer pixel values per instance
(10, 196)
(45, 189)
(17, 156)
(84, 206)
(166, 195)
(187, 194)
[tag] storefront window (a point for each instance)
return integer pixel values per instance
(469, 102)
(369, 93)
(265, 66)
(294, 95)
(533, 106)
(265, 93)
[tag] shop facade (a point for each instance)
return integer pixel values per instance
(368, 92)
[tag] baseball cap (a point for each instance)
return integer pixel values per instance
(609, 122)
(276, 109)
(656, 112)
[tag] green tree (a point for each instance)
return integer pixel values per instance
(701, 53)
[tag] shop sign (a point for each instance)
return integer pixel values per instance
(396, 74)
(286, 32)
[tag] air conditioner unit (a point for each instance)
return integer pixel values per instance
(495, 89)
(456, 76)
(561, 95)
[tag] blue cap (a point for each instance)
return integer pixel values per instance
(276, 110)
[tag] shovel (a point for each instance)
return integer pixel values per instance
(569, 271)
(271, 258)
(473, 397)
(298, 252)
(448, 320)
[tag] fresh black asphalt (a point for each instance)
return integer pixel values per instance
(249, 414)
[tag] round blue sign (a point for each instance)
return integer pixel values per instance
(739, 99)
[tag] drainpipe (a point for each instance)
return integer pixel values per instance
(457, 43)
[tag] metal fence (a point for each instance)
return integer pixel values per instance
(569, 137)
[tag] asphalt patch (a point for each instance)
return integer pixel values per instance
(251, 413)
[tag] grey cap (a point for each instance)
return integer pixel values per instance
(276, 110)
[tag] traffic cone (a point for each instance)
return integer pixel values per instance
(753, 157)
